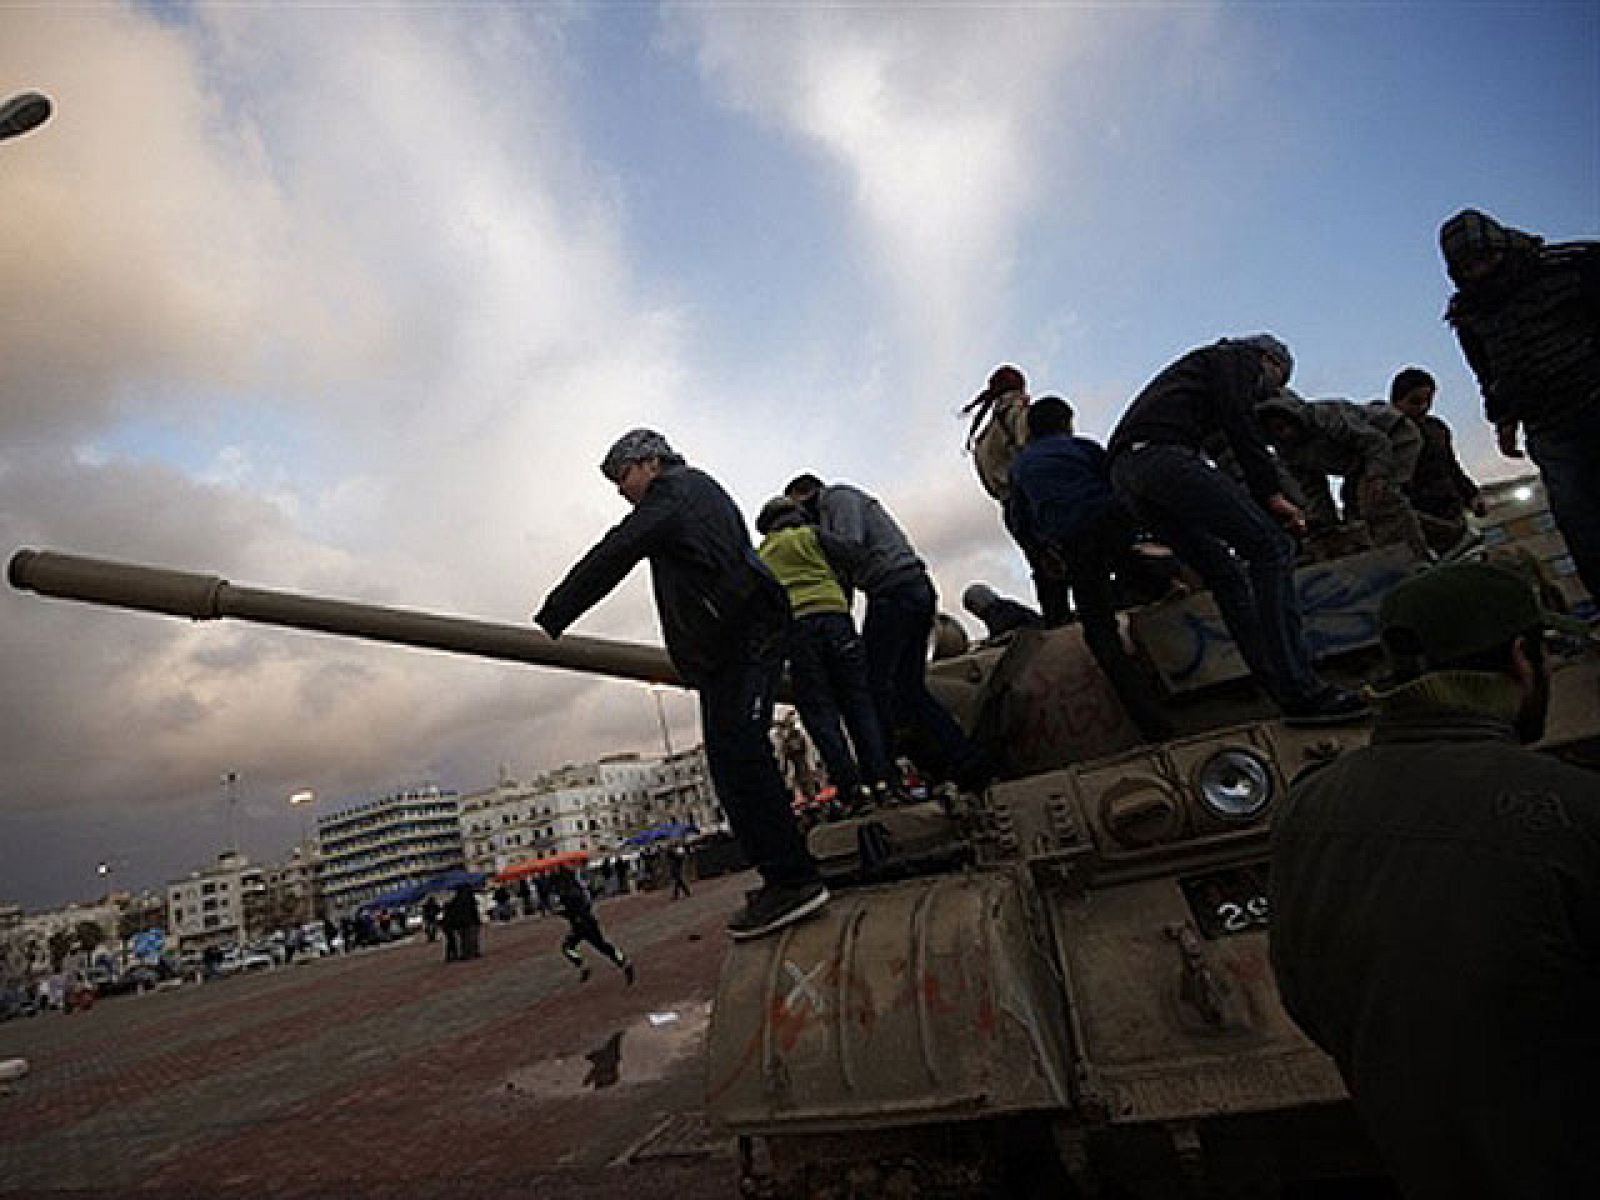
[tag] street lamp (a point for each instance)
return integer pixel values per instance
(230, 793)
(23, 113)
(106, 871)
(661, 716)
(301, 800)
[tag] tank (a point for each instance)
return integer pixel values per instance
(1059, 987)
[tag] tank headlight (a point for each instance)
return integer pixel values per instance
(1235, 785)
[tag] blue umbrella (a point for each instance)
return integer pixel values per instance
(661, 833)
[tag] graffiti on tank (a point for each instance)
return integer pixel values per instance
(1056, 708)
(1338, 612)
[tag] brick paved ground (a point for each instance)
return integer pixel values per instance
(386, 1074)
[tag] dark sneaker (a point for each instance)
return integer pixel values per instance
(627, 973)
(1331, 706)
(776, 905)
(975, 773)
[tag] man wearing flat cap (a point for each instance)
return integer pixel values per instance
(1435, 903)
(725, 619)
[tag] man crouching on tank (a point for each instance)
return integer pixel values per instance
(724, 618)
(1436, 906)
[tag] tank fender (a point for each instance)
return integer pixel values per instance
(923, 999)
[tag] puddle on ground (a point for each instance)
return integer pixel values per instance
(639, 1053)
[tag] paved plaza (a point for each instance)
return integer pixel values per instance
(390, 1074)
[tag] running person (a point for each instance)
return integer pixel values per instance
(572, 900)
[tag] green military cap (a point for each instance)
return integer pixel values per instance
(1449, 613)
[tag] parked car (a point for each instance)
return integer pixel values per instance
(256, 958)
(18, 1001)
(137, 978)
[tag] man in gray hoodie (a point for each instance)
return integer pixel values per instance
(900, 611)
(1373, 448)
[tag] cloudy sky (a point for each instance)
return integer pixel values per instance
(351, 299)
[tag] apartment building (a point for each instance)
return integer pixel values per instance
(506, 823)
(217, 904)
(590, 807)
(407, 836)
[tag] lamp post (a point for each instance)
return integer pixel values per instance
(105, 870)
(661, 716)
(302, 800)
(23, 113)
(230, 793)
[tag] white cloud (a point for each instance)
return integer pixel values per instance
(934, 118)
(322, 251)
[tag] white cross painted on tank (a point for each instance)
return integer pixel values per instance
(805, 989)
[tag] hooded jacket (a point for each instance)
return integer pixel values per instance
(712, 593)
(1213, 389)
(1531, 330)
(1339, 437)
(883, 553)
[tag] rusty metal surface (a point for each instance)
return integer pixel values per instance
(928, 999)
(1170, 1026)
(1169, 1023)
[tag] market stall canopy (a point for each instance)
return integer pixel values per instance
(412, 892)
(662, 833)
(541, 866)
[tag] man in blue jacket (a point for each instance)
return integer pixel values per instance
(1061, 509)
(724, 618)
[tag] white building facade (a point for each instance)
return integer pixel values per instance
(213, 905)
(408, 836)
(591, 808)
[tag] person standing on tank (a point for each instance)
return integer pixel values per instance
(1440, 489)
(827, 658)
(1527, 316)
(901, 603)
(725, 622)
(1160, 470)
(1060, 504)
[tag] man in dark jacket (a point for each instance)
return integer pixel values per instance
(461, 923)
(572, 898)
(724, 618)
(1440, 490)
(1160, 470)
(1060, 505)
(1435, 902)
(1528, 319)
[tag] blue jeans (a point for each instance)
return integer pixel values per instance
(1212, 523)
(735, 717)
(898, 622)
(1568, 457)
(828, 667)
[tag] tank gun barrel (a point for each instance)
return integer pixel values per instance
(210, 598)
